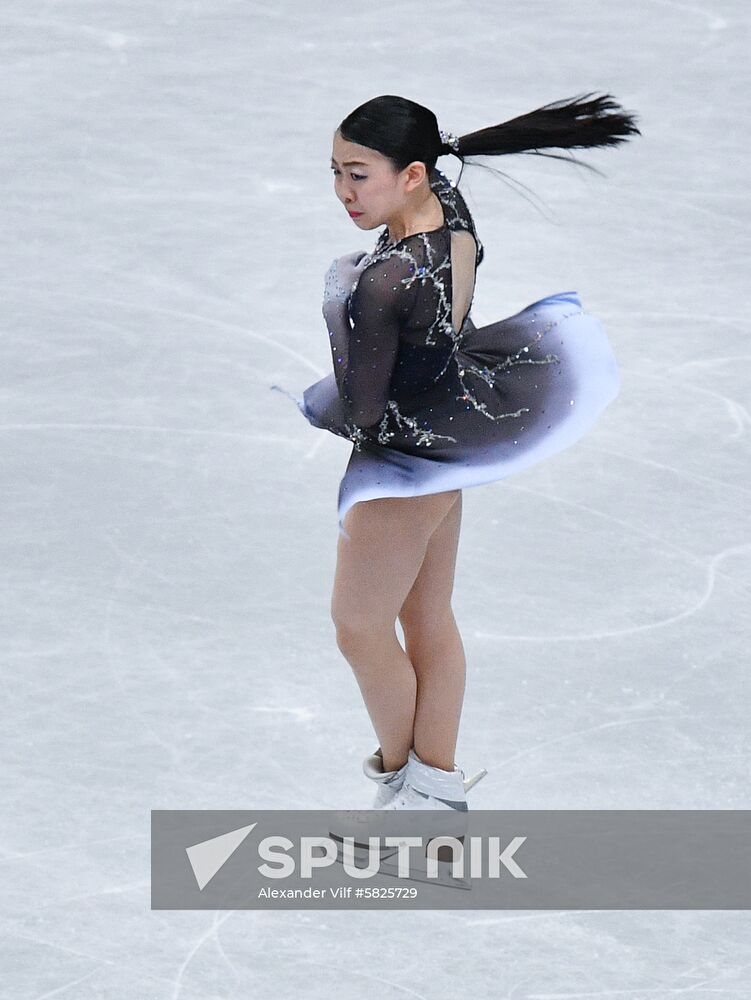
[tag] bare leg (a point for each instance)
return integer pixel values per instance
(435, 647)
(376, 568)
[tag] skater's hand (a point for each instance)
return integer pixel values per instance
(342, 277)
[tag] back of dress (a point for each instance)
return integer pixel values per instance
(406, 312)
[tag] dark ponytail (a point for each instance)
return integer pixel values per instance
(581, 122)
(405, 131)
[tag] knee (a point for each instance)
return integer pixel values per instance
(348, 639)
(429, 627)
(355, 628)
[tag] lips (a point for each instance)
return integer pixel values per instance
(354, 215)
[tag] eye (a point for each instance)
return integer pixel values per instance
(355, 177)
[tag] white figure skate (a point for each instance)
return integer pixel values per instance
(443, 792)
(422, 788)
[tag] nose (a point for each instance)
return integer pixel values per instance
(344, 193)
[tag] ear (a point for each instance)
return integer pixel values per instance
(415, 173)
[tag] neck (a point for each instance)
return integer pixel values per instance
(422, 214)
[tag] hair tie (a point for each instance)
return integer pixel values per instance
(449, 140)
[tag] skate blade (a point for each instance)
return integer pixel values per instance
(418, 864)
(418, 869)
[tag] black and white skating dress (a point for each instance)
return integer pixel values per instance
(433, 403)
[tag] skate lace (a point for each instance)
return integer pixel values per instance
(400, 801)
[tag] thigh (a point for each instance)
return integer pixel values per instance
(429, 600)
(377, 565)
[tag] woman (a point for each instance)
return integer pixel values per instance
(433, 404)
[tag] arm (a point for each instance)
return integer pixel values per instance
(341, 278)
(336, 314)
(371, 322)
(323, 402)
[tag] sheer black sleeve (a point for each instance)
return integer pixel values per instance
(378, 307)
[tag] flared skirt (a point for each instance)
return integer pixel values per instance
(515, 392)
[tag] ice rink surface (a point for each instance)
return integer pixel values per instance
(169, 523)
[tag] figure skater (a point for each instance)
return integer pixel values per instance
(432, 404)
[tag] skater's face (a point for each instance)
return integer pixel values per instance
(366, 183)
